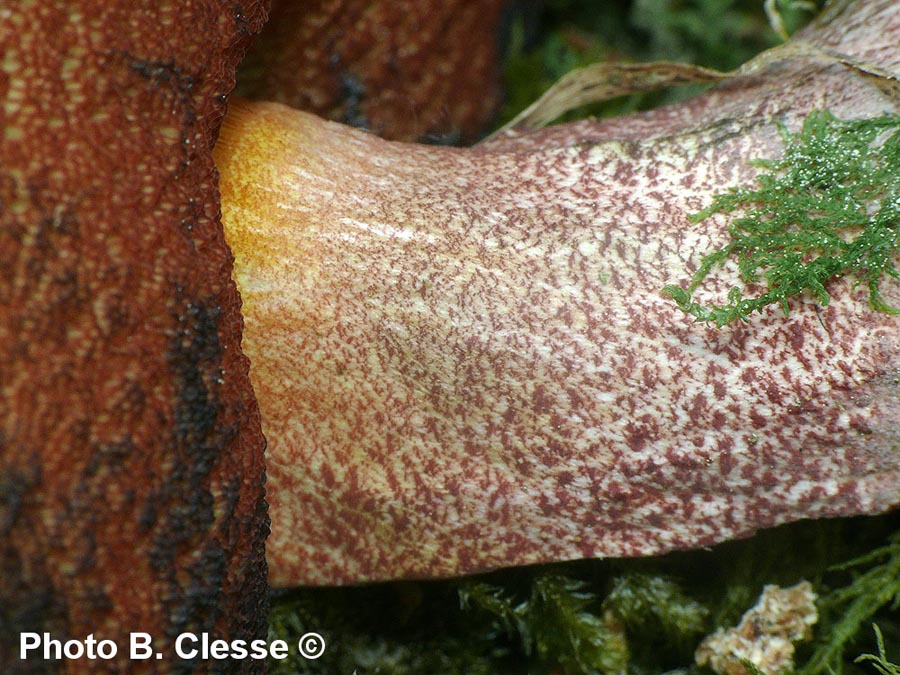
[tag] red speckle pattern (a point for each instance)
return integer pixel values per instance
(464, 361)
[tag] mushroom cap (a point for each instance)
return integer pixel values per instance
(131, 455)
(405, 70)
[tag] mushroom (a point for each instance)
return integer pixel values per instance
(464, 360)
(131, 492)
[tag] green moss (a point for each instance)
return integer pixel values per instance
(554, 623)
(880, 660)
(657, 612)
(872, 582)
(829, 207)
(594, 616)
(383, 629)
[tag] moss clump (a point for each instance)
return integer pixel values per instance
(880, 660)
(385, 629)
(830, 206)
(658, 613)
(554, 623)
(645, 616)
(872, 583)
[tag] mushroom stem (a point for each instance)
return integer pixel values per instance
(463, 360)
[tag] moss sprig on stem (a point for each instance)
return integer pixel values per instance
(829, 207)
